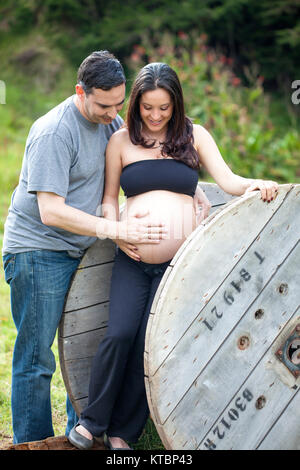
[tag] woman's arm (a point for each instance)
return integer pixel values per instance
(200, 200)
(110, 201)
(231, 183)
(113, 169)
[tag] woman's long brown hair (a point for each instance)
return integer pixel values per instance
(179, 139)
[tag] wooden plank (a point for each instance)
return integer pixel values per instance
(284, 434)
(78, 371)
(80, 404)
(89, 287)
(52, 443)
(102, 251)
(85, 319)
(266, 397)
(82, 345)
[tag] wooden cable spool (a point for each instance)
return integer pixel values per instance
(228, 302)
(222, 354)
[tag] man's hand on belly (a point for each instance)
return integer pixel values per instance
(135, 230)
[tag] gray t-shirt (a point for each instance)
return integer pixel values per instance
(64, 154)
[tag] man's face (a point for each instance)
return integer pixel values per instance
(100, 106)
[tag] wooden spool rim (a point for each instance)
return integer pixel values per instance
(163, 292)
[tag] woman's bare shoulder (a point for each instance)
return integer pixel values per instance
(120, 136)
(200, 131)
(117, 145)
(201, 136)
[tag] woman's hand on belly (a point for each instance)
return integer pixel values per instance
(128, 248)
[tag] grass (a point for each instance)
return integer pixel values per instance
(7, 337)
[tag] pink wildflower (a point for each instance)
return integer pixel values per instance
(135, 57)
(235, 81)
(182, 35)
(260, 79)
(139, 49)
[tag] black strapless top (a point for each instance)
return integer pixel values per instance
(164, 174)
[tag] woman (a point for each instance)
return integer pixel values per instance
(155, 159)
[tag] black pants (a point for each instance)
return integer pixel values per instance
(117, 396)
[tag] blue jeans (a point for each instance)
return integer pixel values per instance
(39, 281)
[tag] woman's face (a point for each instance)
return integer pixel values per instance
(156, 108)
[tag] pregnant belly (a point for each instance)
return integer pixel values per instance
(175, 210)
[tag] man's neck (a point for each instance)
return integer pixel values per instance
(78, 106)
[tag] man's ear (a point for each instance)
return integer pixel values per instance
(79, 91)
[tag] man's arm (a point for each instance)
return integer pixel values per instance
(55, 212)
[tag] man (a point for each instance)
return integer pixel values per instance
(53, 218)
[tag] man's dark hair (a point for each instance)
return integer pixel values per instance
(102, 70)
